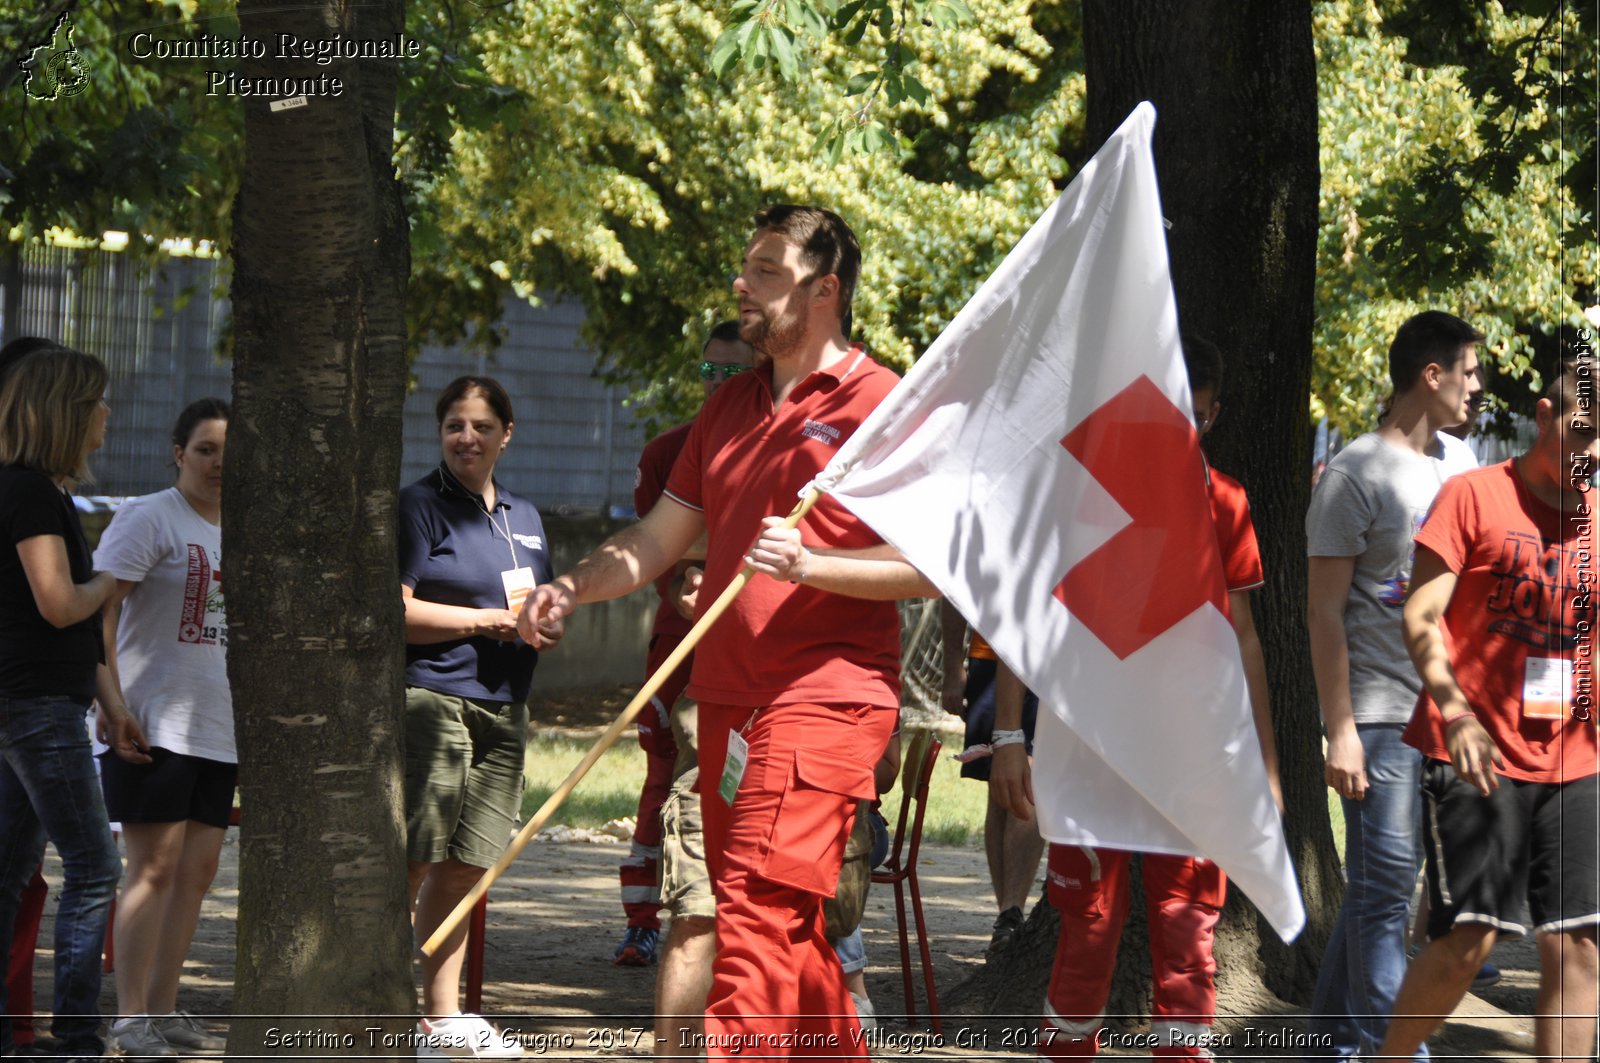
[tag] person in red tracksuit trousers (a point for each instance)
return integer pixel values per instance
(798, 683)
(724, 356)
(1183, 894)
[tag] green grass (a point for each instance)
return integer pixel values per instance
(956, 806)
(611, 789)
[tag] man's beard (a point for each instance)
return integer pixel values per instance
(771, 337)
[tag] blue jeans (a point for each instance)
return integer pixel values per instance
(48, 787)
(852, 952)
(1366, 958)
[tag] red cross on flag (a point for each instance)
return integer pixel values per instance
(1040, 466)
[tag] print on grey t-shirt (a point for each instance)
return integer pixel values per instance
(1368, 504)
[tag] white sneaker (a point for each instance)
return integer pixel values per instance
(465, 1036)
(866, 1014)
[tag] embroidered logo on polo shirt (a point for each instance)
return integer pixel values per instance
(532, 542)
(824, 433)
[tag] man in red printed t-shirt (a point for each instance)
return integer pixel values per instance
(724, 356)
(798, 684)
(1500, 626)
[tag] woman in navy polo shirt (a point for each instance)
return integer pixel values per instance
(469, 551)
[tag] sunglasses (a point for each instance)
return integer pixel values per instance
(727, 370)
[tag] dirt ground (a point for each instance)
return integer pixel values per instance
(554, 919)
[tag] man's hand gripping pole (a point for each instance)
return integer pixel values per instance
(606, 740)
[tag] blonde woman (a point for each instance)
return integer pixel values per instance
(53, 414)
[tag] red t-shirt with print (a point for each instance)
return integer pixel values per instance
(1523, 573)
(783, 643)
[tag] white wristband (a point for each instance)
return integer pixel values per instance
(1007, 738)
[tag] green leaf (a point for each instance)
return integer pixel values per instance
(960, 9)
(893, 90)
(860, 83)
(915, 90)
(836, 146)
(783, 50)
(725, 53)
(845, 14)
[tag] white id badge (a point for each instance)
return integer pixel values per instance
(733, 767)
(1545, 684)
(519, 583)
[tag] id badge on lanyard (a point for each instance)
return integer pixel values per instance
(1546, 684)
(733, 766)
(518, 580)
(519, 583)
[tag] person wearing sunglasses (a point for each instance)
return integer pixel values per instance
(724, 356)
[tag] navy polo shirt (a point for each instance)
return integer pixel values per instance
(452, 551)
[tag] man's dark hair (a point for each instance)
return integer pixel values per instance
(726, 331)
(826, 245)
(1573, 389)
(1203, 361)
(1432, 337)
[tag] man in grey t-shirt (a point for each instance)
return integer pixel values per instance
(1365, 510)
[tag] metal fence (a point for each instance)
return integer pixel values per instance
(158, 330)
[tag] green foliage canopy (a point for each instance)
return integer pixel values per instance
(592, 151)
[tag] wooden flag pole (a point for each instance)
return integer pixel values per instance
(606, 740)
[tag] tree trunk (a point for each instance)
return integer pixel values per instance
(320, 263)
(1234, 85)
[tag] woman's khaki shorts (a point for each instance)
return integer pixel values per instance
(463, 784)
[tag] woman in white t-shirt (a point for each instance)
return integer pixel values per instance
(165, 551)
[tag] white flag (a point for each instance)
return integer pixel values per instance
(1039, 464)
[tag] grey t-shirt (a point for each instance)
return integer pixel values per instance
(1368, 504)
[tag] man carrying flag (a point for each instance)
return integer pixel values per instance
(798, 687)
(1040, 466)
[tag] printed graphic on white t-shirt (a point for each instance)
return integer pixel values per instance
(201, 617)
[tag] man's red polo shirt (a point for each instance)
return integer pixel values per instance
(782, 643)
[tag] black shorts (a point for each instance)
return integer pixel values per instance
(1526, 848)
(980, 698)
(172, 788)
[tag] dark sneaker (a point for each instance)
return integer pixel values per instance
(1487, 976)
(1005, 928)
(638, 948)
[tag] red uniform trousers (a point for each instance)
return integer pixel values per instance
(776, 988)
(1183, 898)
(640, 870)
(19, 973)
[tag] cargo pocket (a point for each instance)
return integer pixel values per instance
(806, 846)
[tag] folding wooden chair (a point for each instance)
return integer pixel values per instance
(900, 870)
